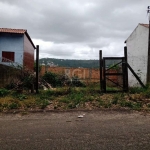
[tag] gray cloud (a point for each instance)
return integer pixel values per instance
(76, 29)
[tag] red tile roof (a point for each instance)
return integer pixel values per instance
(8, 30)
(145, 25)
(18, 31)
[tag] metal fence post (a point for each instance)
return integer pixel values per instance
(100, 64)
(37, 69)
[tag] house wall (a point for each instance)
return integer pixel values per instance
(137, 45)
(14, 43)
(28, 58)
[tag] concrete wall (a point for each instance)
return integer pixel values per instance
(137, 45)
(12, 43)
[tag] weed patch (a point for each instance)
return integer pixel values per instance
(42, 103)
(3, 92)
(74, 97)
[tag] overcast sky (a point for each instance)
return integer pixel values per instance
(75, 29)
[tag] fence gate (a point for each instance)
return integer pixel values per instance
(113, 73)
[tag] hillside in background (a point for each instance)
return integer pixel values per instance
(72, 63)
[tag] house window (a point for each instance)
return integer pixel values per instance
(8, 56)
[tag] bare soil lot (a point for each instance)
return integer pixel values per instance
(96, 130)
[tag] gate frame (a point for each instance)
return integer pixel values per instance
(124, 73)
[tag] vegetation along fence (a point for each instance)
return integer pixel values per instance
(86, 75)
(7, 74)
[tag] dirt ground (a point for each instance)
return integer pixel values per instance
(95, 130)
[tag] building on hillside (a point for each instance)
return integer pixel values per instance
(137, 46)
(16, 47)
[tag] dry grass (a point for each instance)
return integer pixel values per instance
(74, 98)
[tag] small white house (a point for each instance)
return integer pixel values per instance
(137, 46)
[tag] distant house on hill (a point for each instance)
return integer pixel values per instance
(137, 45)
(16, 47)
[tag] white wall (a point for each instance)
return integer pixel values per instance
(137, 46)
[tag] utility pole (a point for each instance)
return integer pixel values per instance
(148, 67)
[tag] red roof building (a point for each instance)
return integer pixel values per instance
(16, 47)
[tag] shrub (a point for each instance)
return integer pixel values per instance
(146, 94)
(60, 80)
(3, 92)
(24, 79)
(13, 105)
(117, 97)
(76, 82)
(51, 78)
(21, 97)
(42, 103)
